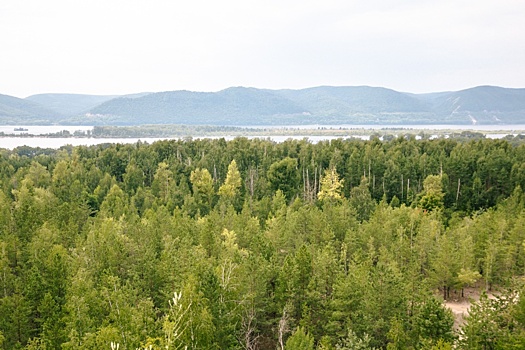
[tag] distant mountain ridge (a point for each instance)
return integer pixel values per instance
(13, 109)
(252, 106)
(74, 104)
(69, 104)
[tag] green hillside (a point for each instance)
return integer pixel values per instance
(230, 106)
(358, 99)
(485, 104)
(15, 110)
(251, 106)
(318, 105)
(359, 104)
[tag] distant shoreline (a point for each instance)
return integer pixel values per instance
(181, 131)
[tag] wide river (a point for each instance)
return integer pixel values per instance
(47, 142)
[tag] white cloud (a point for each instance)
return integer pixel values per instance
(117, 46)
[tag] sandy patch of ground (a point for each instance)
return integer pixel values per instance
(460, 310)
(460, 305)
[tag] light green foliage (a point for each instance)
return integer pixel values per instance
(353, 342)
(85, 309)
(202, 184)
(300, 340)
(62, 179)
(134, 318)
(36, 344)
(398, 337)
(494, 323)
(467, 277)
(101, 339)
(102, 188)
(444, 264)
(442, 345)
(324, 344)
(432, 195)
(115, 203)
(38, 175)
(175, 323)
(331, 186)
(231, 248)
(32, 207)
(162, 185)
(232, 184)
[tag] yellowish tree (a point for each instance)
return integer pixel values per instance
(231, 186)
(331, 185)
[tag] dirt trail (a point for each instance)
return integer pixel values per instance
(460, 305)
(460, 310)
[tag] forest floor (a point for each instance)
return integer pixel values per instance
(460, 305)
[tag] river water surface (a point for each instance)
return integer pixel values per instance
(57, 142)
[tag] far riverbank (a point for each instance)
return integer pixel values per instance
(56, 136)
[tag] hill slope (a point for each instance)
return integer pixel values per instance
(233, 106)
(69, 104)
(317, 105)
(357, 104)
(250, 106)
(74, 104)
(482, 104)
(15, 110)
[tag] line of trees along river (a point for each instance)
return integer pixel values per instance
(251, 244)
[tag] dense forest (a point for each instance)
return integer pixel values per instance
(251, 244)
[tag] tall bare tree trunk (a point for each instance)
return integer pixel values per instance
(457, 193)
(402, 193)
(305, 195)
(283, 328)
(249, 340)
(252, 174)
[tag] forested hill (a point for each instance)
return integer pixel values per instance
(320, 105)
(15, 110)
(251, 106)
(234, 106)
(251, 244)
(484, 104)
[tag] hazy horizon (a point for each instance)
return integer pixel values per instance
(254, 87)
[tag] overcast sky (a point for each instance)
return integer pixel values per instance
(127, 46)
